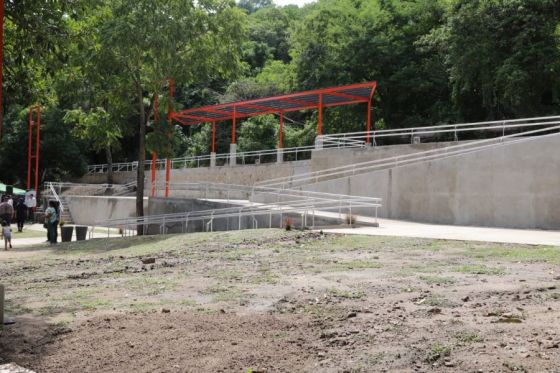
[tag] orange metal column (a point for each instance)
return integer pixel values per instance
(320, 124)
(169, 120)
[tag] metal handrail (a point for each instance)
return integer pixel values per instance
(316, 207)
(56, 197)
(340, 140)
(401, 160)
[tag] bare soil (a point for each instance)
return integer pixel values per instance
(276, 301)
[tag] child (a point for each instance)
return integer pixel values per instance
(7, 233)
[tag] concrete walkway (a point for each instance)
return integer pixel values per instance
(41, 235)
(401, 228)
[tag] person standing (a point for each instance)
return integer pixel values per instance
(31, 203)
(20, 214)
(6, 211)
(50, 219)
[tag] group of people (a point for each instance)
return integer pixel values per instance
(18, 211)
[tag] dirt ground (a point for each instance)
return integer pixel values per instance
(277, 301)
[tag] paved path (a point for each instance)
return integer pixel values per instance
(401, 228)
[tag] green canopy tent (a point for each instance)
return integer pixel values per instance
(17, 191)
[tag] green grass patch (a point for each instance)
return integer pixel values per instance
(544, 254)
(436, 301)
(96, 304)
(480, 270)
(437, 280)
(356, 265)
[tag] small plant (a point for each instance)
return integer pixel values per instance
(288, 224)
(437, 352)
(350, 219)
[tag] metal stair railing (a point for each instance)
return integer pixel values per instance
(402, 160)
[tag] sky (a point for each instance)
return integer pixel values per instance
(296, 2)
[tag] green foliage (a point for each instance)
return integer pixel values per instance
(100, 65)
(258, 133)
(94, 126)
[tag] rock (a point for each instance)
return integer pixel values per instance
(13, 368)
(148, 260)
(434, 311)
(351, 315)
(449, 364)
(550, 345)
(165, 310)
(466, 299)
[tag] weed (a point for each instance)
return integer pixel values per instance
(288, 224)
(350, 219)
(466, 337)
(435, 301)
(438, 351)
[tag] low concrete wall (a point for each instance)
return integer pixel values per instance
(90, 210)
(511, 185)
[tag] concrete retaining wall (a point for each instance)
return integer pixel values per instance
(90, 210)
(512, 185)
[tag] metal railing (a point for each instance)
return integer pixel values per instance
(360, 138)
(340, 140)
(407, 159)
(309, 209)
(65, 188)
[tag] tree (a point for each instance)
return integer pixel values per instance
(153, 40)
(251, 6)
(97, 127)
(503, 57)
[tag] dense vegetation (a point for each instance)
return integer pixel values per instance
(96, 67)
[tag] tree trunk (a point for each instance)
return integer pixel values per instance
(109, 165)
(141, 159)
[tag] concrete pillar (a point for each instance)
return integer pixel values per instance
(232, 154)
(213, 159)
(279, 155)
(319, 142)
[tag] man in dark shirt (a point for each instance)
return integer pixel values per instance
(21, 208)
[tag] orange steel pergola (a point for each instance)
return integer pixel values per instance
(316, 99)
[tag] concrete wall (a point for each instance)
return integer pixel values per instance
(512, 185)
(118, 178)
(87, 210)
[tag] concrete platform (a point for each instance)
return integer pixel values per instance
(399, 228)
